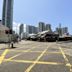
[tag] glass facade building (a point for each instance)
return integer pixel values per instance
(41, 26)
(48, 27)
(7, 16)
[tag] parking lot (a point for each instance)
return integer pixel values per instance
(30, 56)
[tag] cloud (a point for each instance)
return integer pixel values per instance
(16, 24)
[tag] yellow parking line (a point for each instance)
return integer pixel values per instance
(3, 55)
(53, 52)
(14, 56)
(35, 51)
(63, 54)
(18, 50)
(66, 59)
(50, 63)
(39, 62)
(32, 52)
(20, 53)
(34, 63)
(19, 61)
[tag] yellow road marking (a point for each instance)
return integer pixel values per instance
(14, 56)
(20, 53)
(20, 61)
(39, 62)
(3, 55)
(66, 59)
(34, 63)
(35, 51)
(63, 54)
(53, 53)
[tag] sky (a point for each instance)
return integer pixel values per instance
(32, 12)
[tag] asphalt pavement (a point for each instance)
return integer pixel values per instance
(31, 56)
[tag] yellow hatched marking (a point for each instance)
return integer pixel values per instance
(39, 62)
(63, 54)
(14, 56)
(20, 53)
(34, 63)
(53, 52)
(35, 51)
(3, 55)
(66, 59)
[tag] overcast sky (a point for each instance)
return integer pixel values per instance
(48, 11)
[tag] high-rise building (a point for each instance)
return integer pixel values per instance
(48, 27)
(25, 30)
(59, 31)
(32, 29)
(64, 30)
(21, 29)
(7, 16)
(41, 26)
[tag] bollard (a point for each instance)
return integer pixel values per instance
(12, 45)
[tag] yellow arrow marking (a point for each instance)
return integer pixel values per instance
(3, 55)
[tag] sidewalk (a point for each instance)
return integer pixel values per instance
(3, 46)
(15, 45)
